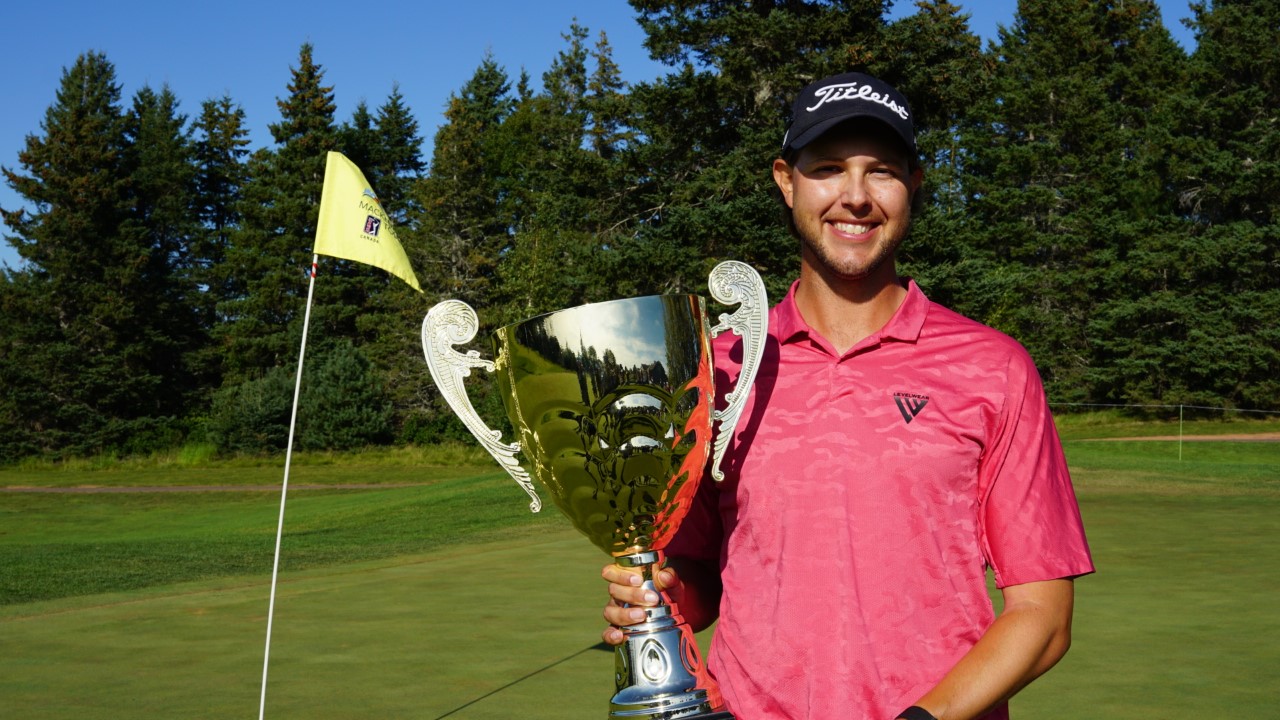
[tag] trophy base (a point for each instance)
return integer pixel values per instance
(677, 715)
(657, 669)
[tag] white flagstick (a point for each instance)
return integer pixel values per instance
(284, 491)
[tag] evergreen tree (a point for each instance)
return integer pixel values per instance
(221, 147)
(943, 72)
(270, 253)
(398, 163)
(162, 176)
(713, 125)
(1066, 180)
(609, 112)
(462, 227)
(87, 363)
(568, 187)
(343, 405)
(1203, 326)
(358, 140)
(388, 328)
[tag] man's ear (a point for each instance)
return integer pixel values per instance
(915, 183)
(782, 175)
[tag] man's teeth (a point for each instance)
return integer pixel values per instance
(852, 229)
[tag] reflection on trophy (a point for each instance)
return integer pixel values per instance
(613, 405)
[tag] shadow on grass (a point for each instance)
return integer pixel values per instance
(598, 646)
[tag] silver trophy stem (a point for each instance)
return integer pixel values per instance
(654, 668)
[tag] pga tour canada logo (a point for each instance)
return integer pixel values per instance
(372, 223)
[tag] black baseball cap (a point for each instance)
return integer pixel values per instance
(828, 102)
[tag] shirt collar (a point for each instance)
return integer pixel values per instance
(787, 325)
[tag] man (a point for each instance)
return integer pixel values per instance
(891, 451)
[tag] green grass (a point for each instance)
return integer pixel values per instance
(439, 595)
(474, 630)
(1180, 619)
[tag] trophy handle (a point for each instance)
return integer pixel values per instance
(735, 282)
(450, 323)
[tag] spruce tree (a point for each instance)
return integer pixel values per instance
(269, 256)
(942, 71)
(462, 227)
(388, 328)
(358, 140)
(87, 362)
(159, 162)
(569, 188)
(1066, 178)
(398, 163)
(1206, 328)
(221, 147)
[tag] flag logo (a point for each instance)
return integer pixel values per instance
(910, 405)
(371, 225)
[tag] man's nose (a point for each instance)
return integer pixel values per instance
(853, 193)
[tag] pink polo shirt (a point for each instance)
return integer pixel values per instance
(865, 495)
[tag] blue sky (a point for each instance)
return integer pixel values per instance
(245, 50)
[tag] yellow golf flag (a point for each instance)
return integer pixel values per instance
(353, 225)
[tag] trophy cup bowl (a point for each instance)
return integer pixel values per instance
(613, 406)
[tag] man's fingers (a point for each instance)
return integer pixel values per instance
(627, 586)
(617, 615)
(612, 636)
(619, 575)
(628, 598)
(665, 578)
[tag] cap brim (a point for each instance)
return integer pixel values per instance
(820, 128)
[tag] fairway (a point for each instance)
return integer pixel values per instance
(438, 595)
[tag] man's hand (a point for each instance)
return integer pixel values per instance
(626, 589)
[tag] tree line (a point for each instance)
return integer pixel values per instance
(1094, 190)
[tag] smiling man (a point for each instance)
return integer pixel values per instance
(891, 453)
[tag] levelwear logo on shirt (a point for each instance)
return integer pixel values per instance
(910, 404)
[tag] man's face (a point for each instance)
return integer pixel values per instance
(850, 197)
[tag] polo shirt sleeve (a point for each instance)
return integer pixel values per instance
(1030, 520)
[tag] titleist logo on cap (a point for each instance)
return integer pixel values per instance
(856, 91)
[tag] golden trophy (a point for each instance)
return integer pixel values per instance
(613, 406)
